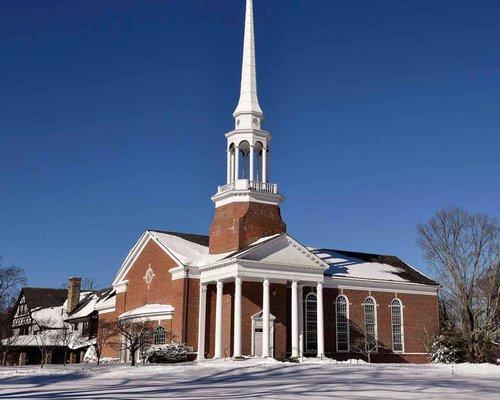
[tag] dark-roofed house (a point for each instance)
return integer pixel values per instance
(250, 289)
(40, 317)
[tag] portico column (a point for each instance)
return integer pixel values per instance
(218, 321)
(301, 320)
(237, 318)
(237, 163)
(265, 318)
(264, 165)
(251, 162)
(295, 324)
(319, 319)
(201, 321)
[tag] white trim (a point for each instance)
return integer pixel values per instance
(121, 287)
(348, 325)
(147, 315)
(401, 308)
(184, 272)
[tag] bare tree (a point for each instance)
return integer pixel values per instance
(136, 337)
(11, 280)
(364, 341)
(88, 284)
(463, 250)
(64, 336)
(106, 337)
(47, 339)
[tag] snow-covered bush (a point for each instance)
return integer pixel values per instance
(167, 353)
(444, 351)
(90, 356)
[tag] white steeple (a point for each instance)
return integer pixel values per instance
(247, 178)
(248, 113)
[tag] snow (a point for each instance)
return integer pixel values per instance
(253, 379)
(148, 310)
(89, 308)
(52, 317)
(188, 253)
(350, 267)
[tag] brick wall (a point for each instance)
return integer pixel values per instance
(237, 225)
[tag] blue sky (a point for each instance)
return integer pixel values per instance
(113, 114)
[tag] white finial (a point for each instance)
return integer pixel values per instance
(249, 103)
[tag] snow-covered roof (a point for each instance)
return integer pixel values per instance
(186, 250)
(89, 302)
(149, 310)
(50, 317)
(369, 266)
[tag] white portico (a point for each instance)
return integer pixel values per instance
(279, 259)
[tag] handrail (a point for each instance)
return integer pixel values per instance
(301, 354)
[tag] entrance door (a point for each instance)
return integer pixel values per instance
(257, 333)
(257, 342)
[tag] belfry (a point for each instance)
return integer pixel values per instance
(247, 206)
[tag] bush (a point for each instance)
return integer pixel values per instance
(167, 353)
(444, 351)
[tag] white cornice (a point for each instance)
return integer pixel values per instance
(246, 196)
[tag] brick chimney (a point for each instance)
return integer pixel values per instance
(73, 294)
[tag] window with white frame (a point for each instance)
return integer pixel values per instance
(159, 335)
(371, 339)
(397, 325)
(342, 321)
(311, 322)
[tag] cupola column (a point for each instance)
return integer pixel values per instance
(228, 166)
(237, 162)
(264, 165)
(252, 155)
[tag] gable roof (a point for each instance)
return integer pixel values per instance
(44, 297)
(352, 264)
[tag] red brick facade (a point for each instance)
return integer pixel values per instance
(420, 312)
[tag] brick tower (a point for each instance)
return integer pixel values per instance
(247, 207)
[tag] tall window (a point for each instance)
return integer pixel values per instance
(342, 319)
(311, 323)
(397, 325)
(159, 336)
(370, 324)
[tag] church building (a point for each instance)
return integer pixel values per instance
(250, 288)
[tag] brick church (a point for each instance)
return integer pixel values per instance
(250, 289)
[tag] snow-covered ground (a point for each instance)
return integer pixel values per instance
(252, 379)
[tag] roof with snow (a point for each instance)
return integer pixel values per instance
(88, 302)
(193, 250)
(351, 264)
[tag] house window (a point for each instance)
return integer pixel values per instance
(370, 307)
(311, 322)
(159, 336)
(85, 328)
(397, 325)
(342, 319)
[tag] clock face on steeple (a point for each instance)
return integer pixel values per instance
(256, 121)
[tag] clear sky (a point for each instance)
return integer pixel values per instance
(113, 114)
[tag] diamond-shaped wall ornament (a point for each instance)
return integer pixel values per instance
(149, 275)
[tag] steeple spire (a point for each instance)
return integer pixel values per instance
(248, 105)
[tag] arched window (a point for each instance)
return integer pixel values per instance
(311, 322)
(342, 319)
(397, 325)
(371, 334)
(160, 336)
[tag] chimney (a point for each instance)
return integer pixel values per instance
(73, 294)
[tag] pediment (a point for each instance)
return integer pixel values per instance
(283, 250)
